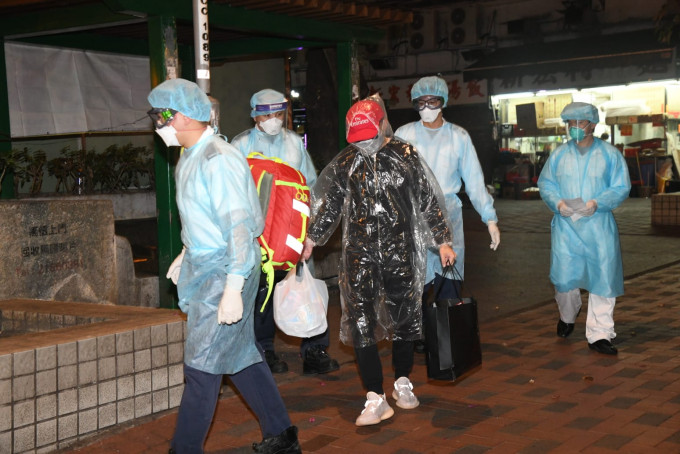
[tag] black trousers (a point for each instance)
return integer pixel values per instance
(370, 367)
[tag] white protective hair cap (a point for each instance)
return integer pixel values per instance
(183, 96)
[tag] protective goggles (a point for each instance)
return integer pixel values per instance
(431, 103)
(161, 117)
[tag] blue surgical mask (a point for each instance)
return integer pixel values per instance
(576, 133)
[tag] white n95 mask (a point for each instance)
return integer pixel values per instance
(272, 126)
(429, 115)
(169, 136)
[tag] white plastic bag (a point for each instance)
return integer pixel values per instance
(300, 304)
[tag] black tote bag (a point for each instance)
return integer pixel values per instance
(452, 341)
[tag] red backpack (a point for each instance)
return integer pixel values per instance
(284, 200)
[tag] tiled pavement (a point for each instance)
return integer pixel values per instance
(534, 393)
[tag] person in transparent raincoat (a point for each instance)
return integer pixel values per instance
(218, 273)
(390, 206)
(582, 181)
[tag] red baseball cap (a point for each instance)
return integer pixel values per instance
(363, 120)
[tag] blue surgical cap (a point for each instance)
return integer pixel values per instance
(267, 101)
(183, 96)
(430, 86)
(580, 111)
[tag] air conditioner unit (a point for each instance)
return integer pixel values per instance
(395, 42)
(421, 32)
(463, 26)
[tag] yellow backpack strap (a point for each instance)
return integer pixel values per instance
(257, 154)
(268, 269)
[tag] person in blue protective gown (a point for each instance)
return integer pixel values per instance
(449, 152)
(271, 138)
(390, 209)
(582, 182)
(218, 273)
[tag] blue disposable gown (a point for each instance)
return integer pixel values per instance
(449, 152)
(286, 145)
(221, 220)
(586, 254)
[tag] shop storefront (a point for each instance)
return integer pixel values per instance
(632, 80)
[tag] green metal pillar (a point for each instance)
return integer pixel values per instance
(164, 62)
(7, 190)
(348, 82)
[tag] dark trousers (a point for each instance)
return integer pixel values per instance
(199, 400)
(265, 328)
(370, 367)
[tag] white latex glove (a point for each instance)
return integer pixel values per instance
(230, 309)
(495, 235)
(307, 249)
(589, 210)
(564, 209)
(175, 267)
(447, 255)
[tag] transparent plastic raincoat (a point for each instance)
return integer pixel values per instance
(389, 205)
(221, 220)
(586, 254)
(450, 154)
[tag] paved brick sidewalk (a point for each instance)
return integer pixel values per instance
(535, 393)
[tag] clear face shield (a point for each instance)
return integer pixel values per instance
(578, 129)
(272, 118)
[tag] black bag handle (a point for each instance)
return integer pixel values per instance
(455, 275)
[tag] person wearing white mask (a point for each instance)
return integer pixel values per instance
(270, 137)
(217, 274)
(449, 152)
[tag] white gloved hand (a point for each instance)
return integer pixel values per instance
(230, 309)
(495, 235)
(564, 209)
(589, 210)
(176, 267)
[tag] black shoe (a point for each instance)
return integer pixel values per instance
(276, 365)
(317, 361)
(564, 329)
(171, 451)
(603, 346)
(419, 346)
(284, 443)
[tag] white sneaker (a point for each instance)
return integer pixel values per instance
(403, 394)
(376, 409)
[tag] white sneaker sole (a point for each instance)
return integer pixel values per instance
(400, 404)
(387, 415)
